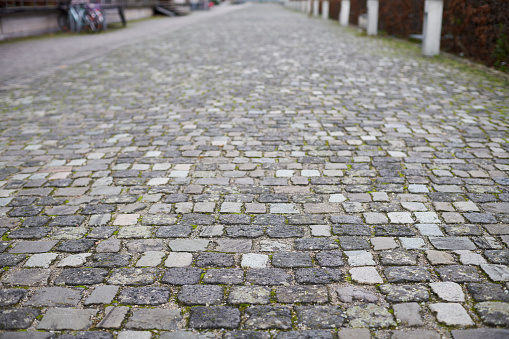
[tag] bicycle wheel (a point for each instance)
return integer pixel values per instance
(63, 21)
(93, 22)
(100, 20)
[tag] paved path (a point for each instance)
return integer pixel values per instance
(23, 60)
(259, 174)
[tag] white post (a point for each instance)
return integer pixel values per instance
(344, 15)
(308, 7)
(325, 9)
(373, 17)
(316, 7)
(432, 30)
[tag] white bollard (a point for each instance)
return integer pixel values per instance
(432, 30)
(372, 17)
(316, 7)
(344, 15)
(325, 9)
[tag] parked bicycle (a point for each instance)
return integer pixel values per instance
(80, 17)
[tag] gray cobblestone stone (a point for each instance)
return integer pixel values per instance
(54, 296)
(161, 319)
(66, 319)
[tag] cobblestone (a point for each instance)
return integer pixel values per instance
(370, 315)
(160, 319)
(233, 181)
(54, 296)
(17, 319)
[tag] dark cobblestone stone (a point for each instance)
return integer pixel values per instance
(291, 259)
(22, 201)
(321, 317)
(267, 276)
(29, 233)
(330, 258)
(399, 258)
(182, 276)
(110, 260)
(233, 276)
(67, 221)
(405, 293)
(11, 296)
(87, 335)
(215, 260)
(308, 334)
(246, 335)
(283, 231)
(458, 273)
(493, 313)
(407, 274)
(214, 317)
(38, 221)
(245, 231)
(351, 230)
(11, 259)
(103, 232)
(394, 231)
(269, 219)
(480, 218)
(144, 296)
(25, 211)
(197, 219)
(485, 243)
(4, 245)
(176, 231)
(345, 219)
(353, 243)
(201, 295)
(497, 256)
(235, 219)
(302, 294)
(81, 276)
(98, 209)
(317, 275)
(75, 246)
(307, 219)
(267, 317)
(487, 292)
(18, 318)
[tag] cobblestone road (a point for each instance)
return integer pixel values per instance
(259, 174)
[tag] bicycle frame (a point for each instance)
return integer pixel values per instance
(76, 17)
